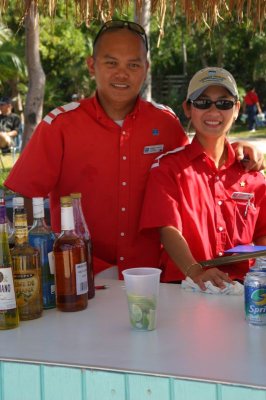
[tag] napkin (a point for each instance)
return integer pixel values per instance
(236, 289)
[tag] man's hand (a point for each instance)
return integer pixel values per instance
(214, 275)
(251, 158)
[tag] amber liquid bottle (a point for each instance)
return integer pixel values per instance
(27, 270)
(17, 202)
(71, 280)
(81, 228)
(9, 317)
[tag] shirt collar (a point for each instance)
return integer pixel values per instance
(196, 149)
(101, 114)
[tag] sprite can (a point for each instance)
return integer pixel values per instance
(255, 297)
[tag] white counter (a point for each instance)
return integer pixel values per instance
(198, 337)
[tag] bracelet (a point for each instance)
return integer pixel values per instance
(191, 266)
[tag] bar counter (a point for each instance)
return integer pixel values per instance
(202, 349)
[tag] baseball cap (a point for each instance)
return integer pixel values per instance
(5, 100)
(211, 76)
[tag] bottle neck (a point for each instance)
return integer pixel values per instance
(5, 258)
(67, 219)
(79, 219)
(21, 229)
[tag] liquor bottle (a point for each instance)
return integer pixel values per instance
(42, 238)
(81, 228)
(9, 223)
(70, 263)
(26, 270)
(9, 317)
(17, 202)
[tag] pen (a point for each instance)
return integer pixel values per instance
(100, 287)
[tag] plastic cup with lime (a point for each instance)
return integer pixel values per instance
(142, 288)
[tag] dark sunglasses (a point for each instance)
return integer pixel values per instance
(120, 24)
(204, 104)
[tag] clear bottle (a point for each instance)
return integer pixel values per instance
(17, 202)
(9, 317)
(9, 223)
(82, 230)
(70, 263)
(41, 237)
(26, 270)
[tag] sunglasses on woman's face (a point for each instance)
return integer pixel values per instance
(204, 104)
(120, 24)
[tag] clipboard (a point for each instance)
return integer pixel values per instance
(244, 254)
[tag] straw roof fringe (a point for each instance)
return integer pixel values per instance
(208, 12)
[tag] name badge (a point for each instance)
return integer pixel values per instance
(158, 148)
(242, 196)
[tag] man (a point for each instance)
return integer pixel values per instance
(251, 106)
(103, 147)
(9, 124)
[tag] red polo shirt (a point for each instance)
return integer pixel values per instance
(251, 98)
(187, 191)
(78, 148)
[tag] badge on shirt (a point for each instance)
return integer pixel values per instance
(158, 148)
(242, 196)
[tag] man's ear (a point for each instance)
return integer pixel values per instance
(90, 65)
(187, 109)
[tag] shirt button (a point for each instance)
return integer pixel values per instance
(122, 234)
(220, 253)
(220, 202)
(123, 132)
(124, 157)
(217, 178)
(221, 228)
(123, 209)
(124, 184)
(121, 258)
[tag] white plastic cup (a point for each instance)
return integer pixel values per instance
(142, 288)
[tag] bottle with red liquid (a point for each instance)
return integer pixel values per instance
(71, 281)
(82, 230)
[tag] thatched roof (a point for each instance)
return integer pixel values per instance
(208, 12)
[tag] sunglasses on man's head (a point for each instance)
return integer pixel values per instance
(120, 24)
(204, 104)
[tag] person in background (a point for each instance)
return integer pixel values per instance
(9, 124)
(199, 197)
(251, 106)
(103, 147)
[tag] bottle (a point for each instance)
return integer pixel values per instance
(82, 230)
(9, 223)
(26, 270)
(17, 202)
(9, 317)
(42, 238)
(70, 263)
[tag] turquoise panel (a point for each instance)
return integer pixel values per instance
(192, 390)
(20, 381)
(104, 386)
(144, 387)
(60, 383)
(239, 393)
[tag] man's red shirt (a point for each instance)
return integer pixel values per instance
(78, 148)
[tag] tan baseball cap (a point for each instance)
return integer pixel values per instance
(211, 76)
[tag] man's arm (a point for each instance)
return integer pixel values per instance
(251, 158)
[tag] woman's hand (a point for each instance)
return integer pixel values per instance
(214, 275)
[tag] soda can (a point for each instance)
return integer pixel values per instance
(255, 298)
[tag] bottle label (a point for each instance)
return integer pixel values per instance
(7, 292)
(51, 262)
(81, 278)
(27, 287)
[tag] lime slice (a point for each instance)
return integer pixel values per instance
(136, 312)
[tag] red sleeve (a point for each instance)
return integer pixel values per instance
(160, 206)
(36, 171)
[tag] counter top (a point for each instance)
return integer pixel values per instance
(199, 336)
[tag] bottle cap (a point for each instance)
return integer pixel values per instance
(66, 201)
(18, 202)
(75, 195)
(38, 207)
(37, 201)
